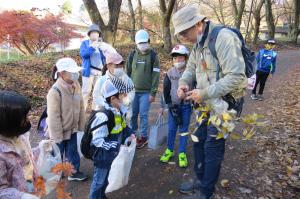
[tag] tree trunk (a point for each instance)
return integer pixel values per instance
(238, 12)
(132, 20)
(294, 27)
(257, 18)
(166, 13)
(270, 19)
(140, 19)
(109, 30)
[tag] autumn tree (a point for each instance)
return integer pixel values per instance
(109, 29)
(132, 20)
(294, 26)
(238, 11)
(166, 12)
(31, 34)
(257, 17)
(270, 18)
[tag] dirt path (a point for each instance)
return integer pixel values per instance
(242, 166)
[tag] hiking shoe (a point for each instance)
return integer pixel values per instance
(260, 97)
(78, 176)
(166, 156)
(141, 142)
(182, 160)
(254, 97)
(189, 187)
(197, 195)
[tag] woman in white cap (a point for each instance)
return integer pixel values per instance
(66, 115)
(115, 72)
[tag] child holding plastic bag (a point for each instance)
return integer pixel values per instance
(66, 114)
(17, 164)
(107, 141)
(179, 110)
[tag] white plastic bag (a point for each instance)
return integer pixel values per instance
(79, 138)
(120, 167)
(49, 157)
(251, 82)
(158, 133)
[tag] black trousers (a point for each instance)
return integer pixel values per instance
(261, 78)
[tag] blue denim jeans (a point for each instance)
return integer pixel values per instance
(70, 150)
(99, 183)
(140, 106)
(185, 111)
(208, 154)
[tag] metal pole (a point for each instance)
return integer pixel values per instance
(8, 47)
(249, 21)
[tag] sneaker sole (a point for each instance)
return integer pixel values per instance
(143, 145)
(186, 192)
(76, 179)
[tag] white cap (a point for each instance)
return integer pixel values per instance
(109, 89)
(141, 36)
(67, 64)
(180, 49)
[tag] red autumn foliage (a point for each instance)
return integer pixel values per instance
(31, 34)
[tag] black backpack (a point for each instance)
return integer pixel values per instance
(42, 121)
(248, 55)
(86, 148)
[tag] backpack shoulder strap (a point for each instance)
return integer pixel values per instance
(111, 119)
(152, 57)
(57, 89)
(212, 46)
(131, 55)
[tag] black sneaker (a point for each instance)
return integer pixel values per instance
(254, 97)
(189, 187)
(78, 176)
(260, 97)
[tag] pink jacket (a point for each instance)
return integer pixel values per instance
(13, 160)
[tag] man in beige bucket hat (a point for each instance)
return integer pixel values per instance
(228, 85)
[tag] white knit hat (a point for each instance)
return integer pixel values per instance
(186, 18)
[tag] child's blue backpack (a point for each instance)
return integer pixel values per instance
(249, 56)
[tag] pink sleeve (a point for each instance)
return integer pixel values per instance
(6, 189)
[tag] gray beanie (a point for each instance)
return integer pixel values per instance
(94, 27)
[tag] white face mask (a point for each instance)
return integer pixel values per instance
(179, 65)
(94, 36)
(118, 72)
(143, 46)
(123, 108)
(74, 76)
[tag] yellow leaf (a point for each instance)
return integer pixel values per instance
(250, 134)
(220, 136)
(184, 134)
(194, 138)
(289, 170)
(226, 117)
(235, 136)
(170, 192)
(225, 183)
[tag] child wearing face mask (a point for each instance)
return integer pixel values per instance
(115, 71)
(143, 67)
(107, 137)
(66, 115)
(17, 162)
(179, 110)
